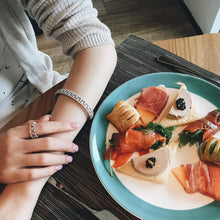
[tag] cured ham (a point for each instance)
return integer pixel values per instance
(210, 124)
(152, 99)
(201, 129)
(200, 177)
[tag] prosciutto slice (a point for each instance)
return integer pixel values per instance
(210, 124)
(152, 99)
(204, 178)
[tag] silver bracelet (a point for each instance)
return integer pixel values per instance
(77, 98)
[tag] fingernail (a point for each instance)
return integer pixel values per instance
(75, 148)
(69, 159)
(74, 125)
(59, 167)
(47, 116)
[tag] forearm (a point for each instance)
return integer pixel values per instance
(18, 200)
(89, 76)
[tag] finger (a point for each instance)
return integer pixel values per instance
(46, 128)
(28, 174)
(41, 119)
(52, 127)
(25, 127)
(49, 144)
(45, 118)
(45, 159)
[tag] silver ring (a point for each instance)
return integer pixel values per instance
(32, 130)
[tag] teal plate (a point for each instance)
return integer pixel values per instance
(114, 187)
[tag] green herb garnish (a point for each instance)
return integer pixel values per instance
(212, 147)
(110, 167)
(168, 133)
(112, 145)
(111, 141)
(187, 137)
(158, 128)
(157, 145)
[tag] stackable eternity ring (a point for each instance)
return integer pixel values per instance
(32, 130)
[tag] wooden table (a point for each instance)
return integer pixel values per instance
(203, 50)
(79, 178)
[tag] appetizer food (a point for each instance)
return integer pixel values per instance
(137, 139)
(154, 166)
(201, 129)
(182, 104)
(123, 116)
(179, 109)
(202, 177)
(140, 136)
(199, 177)
(149, 135)
(209, 151)
(151, 102)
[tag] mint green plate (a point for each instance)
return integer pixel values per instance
(114, 187)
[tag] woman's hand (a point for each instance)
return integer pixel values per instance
(24, 159)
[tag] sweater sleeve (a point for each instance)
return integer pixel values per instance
(74, 23)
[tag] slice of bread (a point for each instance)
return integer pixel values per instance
(193, 115)
(162, 178)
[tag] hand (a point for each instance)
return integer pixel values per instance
(24, 159)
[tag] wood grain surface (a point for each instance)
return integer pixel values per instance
(151, 20)
(203, 50)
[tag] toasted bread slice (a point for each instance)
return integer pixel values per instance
(129, 170)
(167, 120)
(193, 115)
(162, 178)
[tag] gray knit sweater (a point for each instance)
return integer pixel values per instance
(24, 70)
(73, 23)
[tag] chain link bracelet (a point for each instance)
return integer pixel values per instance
(77, 98)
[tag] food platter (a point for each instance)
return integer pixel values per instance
(123, 189)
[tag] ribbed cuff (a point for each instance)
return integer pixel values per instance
(71, 47)
(90, 41)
